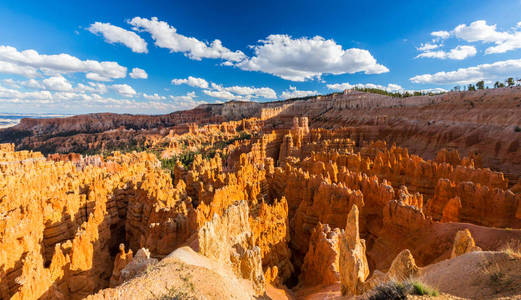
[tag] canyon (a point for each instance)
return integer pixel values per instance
(326, 197)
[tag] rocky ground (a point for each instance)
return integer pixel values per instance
(347, 196)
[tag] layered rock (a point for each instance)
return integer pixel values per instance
(475, 203)
(354, 268)
(270, 228)
(228, 239)
(321, 263)
(65, 233)
(463, 243)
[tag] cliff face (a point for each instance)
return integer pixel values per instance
(69, 231)
(286, 205)
(425, 125)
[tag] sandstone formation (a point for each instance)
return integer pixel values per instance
(403, 267)
(463, 243)
(139, 263)
(228, 239)
(321, 263)
(353, 262)
(346, 190)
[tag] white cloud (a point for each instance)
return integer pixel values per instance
(480, 31)
(97, 77)
(154, 96)
(84, 98)
(488, 72)
(391, 87)
(188, 97)
(512, 43)
(243, 92)
(428, 47)
(124, 90)
(57, 83)
(458, 53)
(114, 34)
(10, 68)
(32, 83)
(12, 83)
(441, 34)
(222, 94)
(304, 58)
(294, 93)
(16, 95)
(186, 101)
(28, 60)
(92, 87)
(138, 73)
(192, 81)
(166, 36)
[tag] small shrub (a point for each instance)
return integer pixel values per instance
(175, 295)
(399, 290)
(517, 129)
(497, 276)
(423, 290)
(512, 248)
(389, 290)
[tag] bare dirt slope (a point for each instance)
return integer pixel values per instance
(477, 275)
(183, 274)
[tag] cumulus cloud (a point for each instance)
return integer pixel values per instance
(26, 62)
(31, 83)
(428, 47)
(166, 36)
(512, 43)
(488, 72)
(10, 68)
(192, 81)
(114, 34)
(480, 31)
(441, 34)
(16, 95)
(138, 73)
(307, 58)
(124, 90)
(92, 87)
(188, 97)
(87, 98)
(226, 95)
(186, 101)
(292, 92)
(57, 83)
(241, 92)
(458, 53)
(154, 96)
(97, 77)
(391, 87)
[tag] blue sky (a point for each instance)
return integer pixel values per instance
(72, 57)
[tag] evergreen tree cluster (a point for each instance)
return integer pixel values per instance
(480, 85)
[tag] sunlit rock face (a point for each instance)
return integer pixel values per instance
(329, 191)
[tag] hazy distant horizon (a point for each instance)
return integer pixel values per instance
(11, 119)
